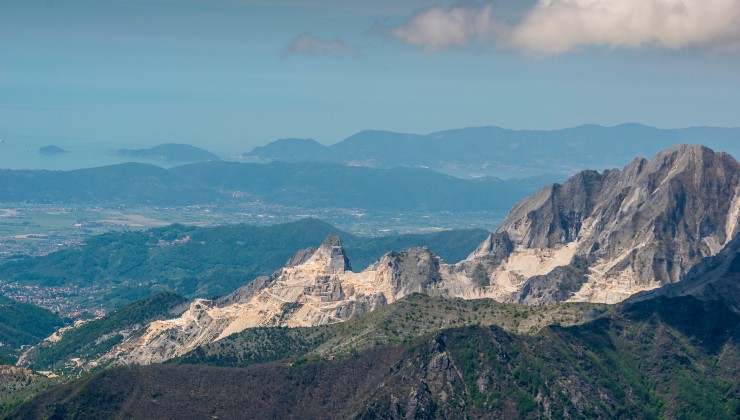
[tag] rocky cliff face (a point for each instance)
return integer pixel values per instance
(599, 237)
(636, 229)
(716, 278)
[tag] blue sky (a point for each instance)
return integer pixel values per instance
(232, 74)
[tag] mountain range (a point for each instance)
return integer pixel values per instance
(599, 238)
(426, 357)
(500, 152)
(420, 337)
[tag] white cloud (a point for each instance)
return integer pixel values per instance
(308, 44)
(558, 26)
(438, 28)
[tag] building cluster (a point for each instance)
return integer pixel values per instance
(63, 300)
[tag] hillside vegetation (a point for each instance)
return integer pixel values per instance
(662, 358)
(95, 337)
(22, 324)
(400, 322)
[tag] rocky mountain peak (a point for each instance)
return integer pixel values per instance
(640, 227)
(489, 254)
(498, 244)
(331, 255)
(554, 215)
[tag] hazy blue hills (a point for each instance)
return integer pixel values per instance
(294, 184)
(205, 262)
(172, 152)
(497, 150)
(291, 150)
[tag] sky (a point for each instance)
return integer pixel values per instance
(229, 75)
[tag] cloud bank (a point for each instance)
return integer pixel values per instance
(559, 26)
(307, 44)
(437, 28)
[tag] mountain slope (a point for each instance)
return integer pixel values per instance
(91, 339)
(22, 324)
(660, 358)
(402, 321)
(291, 150)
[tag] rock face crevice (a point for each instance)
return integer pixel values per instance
(598, 237)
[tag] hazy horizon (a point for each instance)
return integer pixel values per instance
(78, 144)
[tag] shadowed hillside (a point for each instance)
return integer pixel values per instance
(660, 358)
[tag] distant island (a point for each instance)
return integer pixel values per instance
(171, 152)
(52, 150)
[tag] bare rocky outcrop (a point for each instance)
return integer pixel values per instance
(314, 288)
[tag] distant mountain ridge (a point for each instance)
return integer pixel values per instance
(515, 152)
(306, 185)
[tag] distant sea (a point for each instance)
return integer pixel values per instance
(23, 154)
